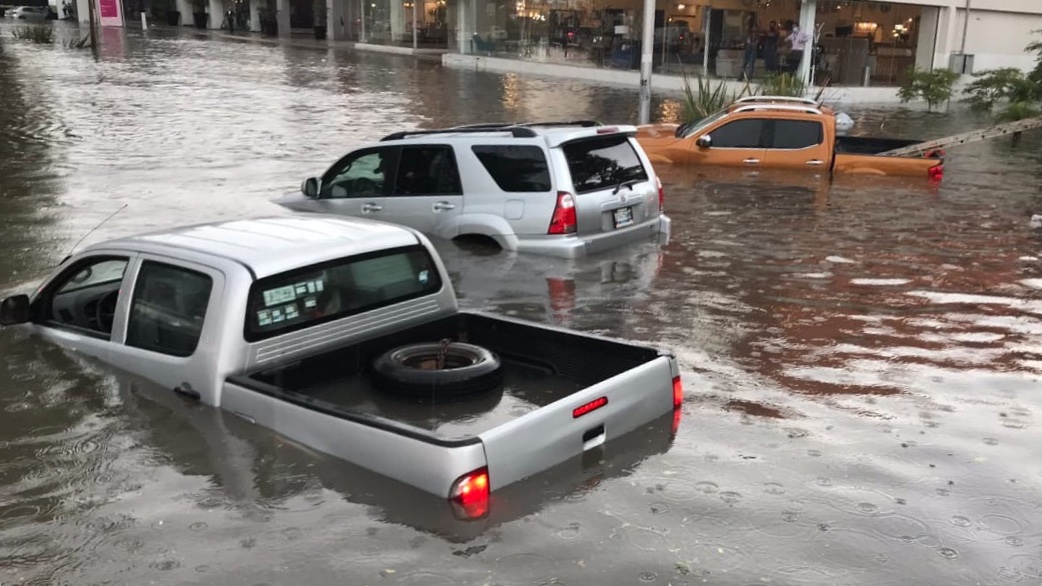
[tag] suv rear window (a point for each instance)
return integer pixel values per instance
(515, 168)
(603, 162)
(320, 293)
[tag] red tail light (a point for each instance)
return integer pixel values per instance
(678, 392)
(470, 494)
(936, 172)
(661, 195)
(677, 414)
(591, 406)
(563, 221)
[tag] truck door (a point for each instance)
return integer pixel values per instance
(797, 144)
(169, 305)
(738, 143)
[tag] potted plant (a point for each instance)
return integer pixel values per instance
(199, 14)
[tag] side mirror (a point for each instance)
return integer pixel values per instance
(14, 310)
(704, 141)
(309, 187)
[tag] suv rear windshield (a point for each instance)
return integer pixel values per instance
(320, 293)
(603, 162)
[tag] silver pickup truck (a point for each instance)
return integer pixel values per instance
(344, 335)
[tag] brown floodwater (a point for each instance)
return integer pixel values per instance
(861, 357)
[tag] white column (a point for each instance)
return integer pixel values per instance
(185, 8)
(415, 30)
(468, 10)
(808, 14)
(255, 6)
(926, 44)
(216, 14)
(362, 38)
(336, 20)
(82, 11)
(282, 16)
(646, 59)
(946, 34)
(397, 20)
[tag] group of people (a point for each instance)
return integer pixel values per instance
(767, 42)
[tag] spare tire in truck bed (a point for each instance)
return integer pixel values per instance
(440, 370)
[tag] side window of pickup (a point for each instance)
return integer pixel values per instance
(168, 309)
(85, 297)
(361, 174)
(797, 134)
(740, 134)
(427, 170)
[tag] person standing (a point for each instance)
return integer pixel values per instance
(797, 40)
(770, 48)
(752, 41)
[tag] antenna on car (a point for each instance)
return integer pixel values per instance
(80, 241)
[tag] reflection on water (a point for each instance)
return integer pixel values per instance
(861, 357)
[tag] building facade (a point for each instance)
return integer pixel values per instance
(860, 42)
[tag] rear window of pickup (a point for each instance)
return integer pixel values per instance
(332, 290)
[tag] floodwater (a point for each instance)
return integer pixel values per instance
(861, 359)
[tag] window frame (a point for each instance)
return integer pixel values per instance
(774, 129)
(764, 124)
(41, 308)
(389, 176)
(400, 155)
(138, 275)
(542, 151)
(251, 336)
(623, 139)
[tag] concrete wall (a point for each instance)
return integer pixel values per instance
(997, 39)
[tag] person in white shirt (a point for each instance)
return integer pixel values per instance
(797, 40)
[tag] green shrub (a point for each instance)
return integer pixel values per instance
(1018, 111)
(708, 98)
(783, 84)
(1000, 85)
(39, 32)
(933, 87)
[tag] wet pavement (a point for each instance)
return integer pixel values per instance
(861, 358)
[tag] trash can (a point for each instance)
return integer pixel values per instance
(320, 32)
(173, 17)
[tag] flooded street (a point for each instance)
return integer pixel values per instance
(861, 358)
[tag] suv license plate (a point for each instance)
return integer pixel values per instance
(623, 217)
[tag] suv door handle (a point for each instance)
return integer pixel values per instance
(751, 161)
(815, 162)
(441, 206)
(371, 207)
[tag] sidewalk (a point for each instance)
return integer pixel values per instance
(305, 39)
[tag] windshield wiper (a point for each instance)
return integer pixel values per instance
(625, 183)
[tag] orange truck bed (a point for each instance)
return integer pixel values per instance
(781, 133)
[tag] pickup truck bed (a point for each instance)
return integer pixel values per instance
(865, 145)
(524, 427)
(541, 366)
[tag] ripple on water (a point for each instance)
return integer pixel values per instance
(523, 566)
(425, 579)
(899, 527)
(850, 549)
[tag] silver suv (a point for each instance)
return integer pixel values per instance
(558, 188)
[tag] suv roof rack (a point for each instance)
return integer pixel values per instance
(792, 99)
(778, 107)
(517, 129)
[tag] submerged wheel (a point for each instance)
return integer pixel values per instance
(415, 371)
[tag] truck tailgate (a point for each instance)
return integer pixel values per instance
(554, 433)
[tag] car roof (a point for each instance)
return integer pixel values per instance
(273, 244)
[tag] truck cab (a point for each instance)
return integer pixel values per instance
(771, 132)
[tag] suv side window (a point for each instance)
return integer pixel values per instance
(168, 309)
(427, 170)
(86, 296)
(515, 168)
(796, 134)
(740, 134)
(361, 174)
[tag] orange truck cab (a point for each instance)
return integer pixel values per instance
(772, 132)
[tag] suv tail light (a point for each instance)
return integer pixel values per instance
(563, 221)
(936, 172)
(678, 392)
(470, 494)
(661, 195)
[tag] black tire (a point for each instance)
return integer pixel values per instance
(472, 370)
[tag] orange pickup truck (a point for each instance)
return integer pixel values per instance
(781, 133)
